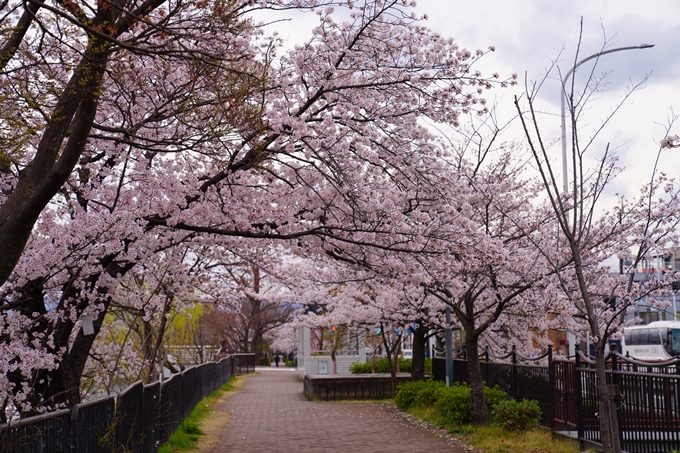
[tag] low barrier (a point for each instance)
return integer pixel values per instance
(138, 420)
(356, 387)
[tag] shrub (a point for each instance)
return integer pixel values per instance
(416, 394)
(493, 396)
(381, 366)
(517, 415)
(454, 404)
(360, 368)
(406, 394)
(428, 393)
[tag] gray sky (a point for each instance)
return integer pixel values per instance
(530, 34)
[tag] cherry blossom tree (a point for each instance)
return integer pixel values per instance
(493, 269)
(172, 135)
(594, 299)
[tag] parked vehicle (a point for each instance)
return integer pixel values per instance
(659, 340)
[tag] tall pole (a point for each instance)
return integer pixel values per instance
(563, 95)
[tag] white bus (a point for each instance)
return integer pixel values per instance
(659, 340)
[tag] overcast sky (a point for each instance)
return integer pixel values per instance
(530, 34)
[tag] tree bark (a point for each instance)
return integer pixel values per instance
(480, 415)
(418, 359)
(71, 121)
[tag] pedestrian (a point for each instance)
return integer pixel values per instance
(277, 359)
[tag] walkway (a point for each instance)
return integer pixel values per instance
(269, 414)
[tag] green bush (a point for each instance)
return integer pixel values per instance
(517, 415)
(406, 394)
(493, 396)
(416, 394)
(428, 394)
(381, 366)
(454, 404)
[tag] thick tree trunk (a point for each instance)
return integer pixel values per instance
(62, 384)
(71, 122)
(418, 360)
(480, 415)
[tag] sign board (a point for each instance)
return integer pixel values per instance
(323, 367)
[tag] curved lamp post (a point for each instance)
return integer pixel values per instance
(563, 95)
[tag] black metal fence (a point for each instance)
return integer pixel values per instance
(647, 401)
(645, 397)
(138, 420)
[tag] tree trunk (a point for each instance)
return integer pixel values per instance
(610, 444)
(480, 415)
(418, 359)
(393, 371)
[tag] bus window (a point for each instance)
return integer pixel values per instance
(634, 338)
(654, 337)
(644, 336)
(675, 342)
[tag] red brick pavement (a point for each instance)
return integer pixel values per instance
(269, 414)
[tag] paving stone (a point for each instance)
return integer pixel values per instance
(269, 414)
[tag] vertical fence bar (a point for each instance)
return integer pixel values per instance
(551, 381)
(577, 388)
(614, 404)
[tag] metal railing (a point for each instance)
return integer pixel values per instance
(138, 420)
(647, 403)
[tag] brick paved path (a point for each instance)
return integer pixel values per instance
(269, 414)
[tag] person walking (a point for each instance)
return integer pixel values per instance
(277, 359)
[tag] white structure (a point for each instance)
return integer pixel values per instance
(311, 362)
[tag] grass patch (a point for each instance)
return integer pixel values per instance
(495, 439)
(429, 414)
(188, 435)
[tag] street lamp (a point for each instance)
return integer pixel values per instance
(563, 95)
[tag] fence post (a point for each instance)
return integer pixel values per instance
(614, 399)
(514, 371)
(577, 387)
(551, 386)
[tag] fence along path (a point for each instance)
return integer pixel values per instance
(270, 414)
(136, 421)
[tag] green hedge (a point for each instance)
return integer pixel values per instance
(454, 404)
(416, 394)
(381, 366)
(517, 415)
